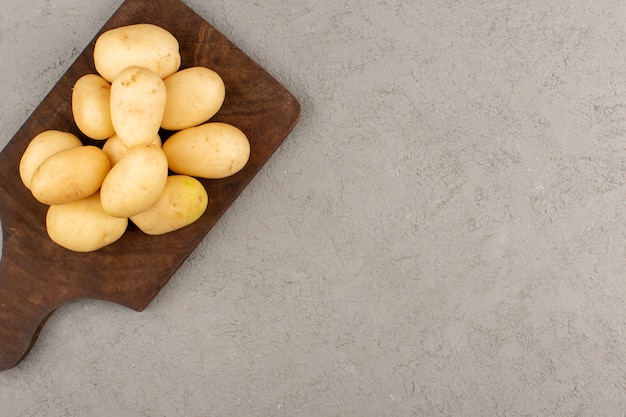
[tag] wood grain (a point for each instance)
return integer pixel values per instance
(36, 275)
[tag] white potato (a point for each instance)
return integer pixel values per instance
(115, 149)
(137, 104)
(42, 146)
(91, 106)
(194, 95)
(82, 226)
(212, 150)
(70, 175)
(143, 45)
(135, 182)
(183, 200)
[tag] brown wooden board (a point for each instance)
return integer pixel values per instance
(37, 275)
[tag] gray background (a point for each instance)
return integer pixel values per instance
(441, 235)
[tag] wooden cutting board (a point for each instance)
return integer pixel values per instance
(36, 275)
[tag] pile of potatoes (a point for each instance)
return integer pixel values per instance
(93, 192)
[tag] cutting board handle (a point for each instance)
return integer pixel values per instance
(23, 309)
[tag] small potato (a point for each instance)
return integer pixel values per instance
(82, 226)
(194, 95)
(137, 103)
(143, 45)
(212, 150)
(115, 149)
(182, 202)
(91, 106)
(42, 146)
(70, 175)
(135, 182)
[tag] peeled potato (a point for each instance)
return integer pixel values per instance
(212, 150)
(42, 146)
(137, 103)
(115, 149)
(194, 95)
(91, 106)
(70, 175)
(143, 45)
(182, 202)
(135, 182)
(82, 226)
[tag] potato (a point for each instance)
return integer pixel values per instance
(115, 149)
(82, 226)
(91, 106)
(42, 146)
(143, 45)
(212, 150)
(135, 182)
(182, 202)
(194, 95)
(70, 175)
(137, 104)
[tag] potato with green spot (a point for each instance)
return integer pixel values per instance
(183, 201)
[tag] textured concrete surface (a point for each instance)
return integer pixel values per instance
(441, 235)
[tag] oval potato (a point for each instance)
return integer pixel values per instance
(91, 106)
(42, 146)
(70, 175)
(194, 95)
(137, 103)
(212, 150)
(115, 149)
(82, 226)
(135, 182)
(143, 45)
(183, 200)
